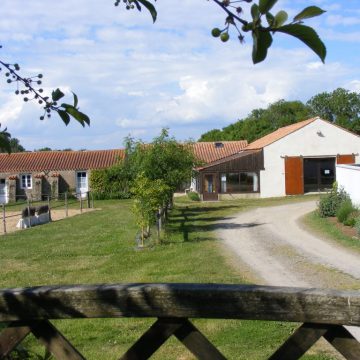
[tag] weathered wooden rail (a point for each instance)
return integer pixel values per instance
(323, 313)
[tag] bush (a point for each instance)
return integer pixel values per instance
(350, 221)
(194, 196)
(331, 202)
(344, 210)
(357, 225)
(110, 183)
(101, 195)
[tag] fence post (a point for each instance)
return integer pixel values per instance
(66, 204)
(81, 204)
(88, 199)
(92, 200)
(28, 207)
(4, 217)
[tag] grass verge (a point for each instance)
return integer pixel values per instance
(325, 227)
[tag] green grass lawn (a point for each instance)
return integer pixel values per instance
(99, 247)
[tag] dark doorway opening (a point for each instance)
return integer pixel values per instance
(319, 174)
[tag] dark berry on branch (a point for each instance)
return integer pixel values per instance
(224, 37)
(215, 32)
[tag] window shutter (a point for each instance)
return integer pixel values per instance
(345, 159)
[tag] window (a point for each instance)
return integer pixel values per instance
(223, 183)
(241, 182)
(26, 181)
(249, 182)
(232, 182)
(81, 180)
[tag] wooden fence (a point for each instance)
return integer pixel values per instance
(63, 201)
(323, 313)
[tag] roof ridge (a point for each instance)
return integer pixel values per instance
(292, 127)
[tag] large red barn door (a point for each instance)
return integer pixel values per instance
(294, 175)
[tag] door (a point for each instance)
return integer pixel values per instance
(209, 187)
(294, 182)
(81, 183)
(3, 192)
(319, 174)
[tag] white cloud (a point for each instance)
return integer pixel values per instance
(10, 109)
(132, 76)
(334, 20)
(353, 85)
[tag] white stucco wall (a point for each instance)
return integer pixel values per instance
(317, 139)
(348, 177)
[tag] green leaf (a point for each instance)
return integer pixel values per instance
(308, 36)
(262, 40)
(57, 95)
(270, 18)
(309, 12)
(150, 7)
(76, 100)
(137, 5)
(76, 114)
(280, 18)
(266, 5)
(64, 116)
(255, 13)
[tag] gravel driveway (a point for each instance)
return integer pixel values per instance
(271, 245)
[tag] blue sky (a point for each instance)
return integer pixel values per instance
(133, 77)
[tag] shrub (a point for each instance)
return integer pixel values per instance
(344, 210)
(194, 196)
(101, 195)
(350, 221)
(357, 225)
(330, 203)
(110, 183)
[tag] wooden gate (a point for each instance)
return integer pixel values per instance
(322, 313)
(294, 175)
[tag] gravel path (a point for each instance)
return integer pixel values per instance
(275, 249)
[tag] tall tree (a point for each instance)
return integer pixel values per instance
(340, 106)
(261, 122)
(16, 146)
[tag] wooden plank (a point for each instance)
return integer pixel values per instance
(182, 300)
(294, 175)
(152, 339)
(345, 159)
(54, 341)
(12, 336)
(197, 343)
(300, 342)
(343, 341)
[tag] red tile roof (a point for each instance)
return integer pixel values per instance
(212, 151)
(59, 160)
(278, 134)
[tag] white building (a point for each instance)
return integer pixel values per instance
(295, 159)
